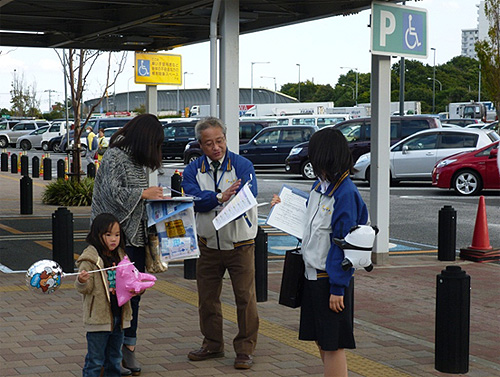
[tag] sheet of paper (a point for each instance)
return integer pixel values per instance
(289, 215)
(242, 202)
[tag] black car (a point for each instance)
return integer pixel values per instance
(248, 129)
(357, 132)
(176, 136)
(272, 145)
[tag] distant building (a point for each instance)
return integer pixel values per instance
(471, 36)
(175, 100)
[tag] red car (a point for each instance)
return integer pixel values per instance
(469, 172)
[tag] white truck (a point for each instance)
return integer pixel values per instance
(484, 111)
(269, 109)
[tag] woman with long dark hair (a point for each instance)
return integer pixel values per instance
(121, 188)
(333, 208)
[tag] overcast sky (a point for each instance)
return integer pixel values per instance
(320, 47)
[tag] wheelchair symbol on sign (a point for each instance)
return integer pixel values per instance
(143, 69)
(410, 32)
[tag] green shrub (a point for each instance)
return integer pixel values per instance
(69, 193)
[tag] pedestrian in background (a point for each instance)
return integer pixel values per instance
(91, 144)
(215, 178)
(333, 208)
(104, 320)
(121, 188)
(102, 144)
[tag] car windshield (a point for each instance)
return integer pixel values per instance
(493, 136)
(351, 131)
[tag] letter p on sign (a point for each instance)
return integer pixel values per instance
(387, 25)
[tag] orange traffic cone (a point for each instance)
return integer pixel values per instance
(481, 237)
(480, 250)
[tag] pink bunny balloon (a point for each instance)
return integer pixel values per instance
(130, 281)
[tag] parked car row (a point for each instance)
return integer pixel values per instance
(414, 157)
(358, 134)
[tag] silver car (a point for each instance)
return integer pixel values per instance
(32, 140)
(22, 128)
(414, 157)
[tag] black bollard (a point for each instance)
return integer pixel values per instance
(176, 184)
(452, 321)
(24, 165)
(62, 239)
(91, 170)
(13, 163)
(5, 162)
(261, 265)
(447, 234)
(26, 195)
(35, 167)
(47, 169)
(61, 173)
(190, 269)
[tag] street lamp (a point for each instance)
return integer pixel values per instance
(184, 91)
(274, 78)
(434, 82)
(479, 86)
(439, 82)
(251, 79)
(114, 93)
(344, 85)
(128, 94)
(356, 72)
(298, 65)
(50, 101)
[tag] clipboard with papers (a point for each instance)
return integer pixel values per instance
(289, 215)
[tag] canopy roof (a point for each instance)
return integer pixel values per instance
(150, 25)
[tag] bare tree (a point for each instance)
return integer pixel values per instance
(79, 64)
(23, 97)
(488, 53)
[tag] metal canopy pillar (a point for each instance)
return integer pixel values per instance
(229, 71)
(152, 108)
(152, 99)
(380, 154)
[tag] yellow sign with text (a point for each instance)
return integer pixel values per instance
(158, 69)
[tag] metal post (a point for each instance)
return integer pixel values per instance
(5, 162)
(62, 238)
(26, 195)
(35, 167)
(447, 234)
(24, 165)
(261, 265)
(47, 169)
(61, 173)
(13, 163)
(452, 321)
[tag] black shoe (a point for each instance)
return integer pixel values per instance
(204, 354)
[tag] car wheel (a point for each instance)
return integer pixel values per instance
(25, 145)
(45, 146)
(467, 182)
(3, 142)
(56, 148)
(367, 174)
(307, 170)
(83, 151)
(193, 157)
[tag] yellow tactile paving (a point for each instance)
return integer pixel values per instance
(358, 364)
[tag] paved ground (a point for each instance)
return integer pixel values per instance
(42, 335)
